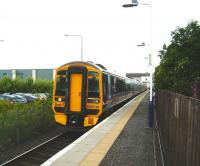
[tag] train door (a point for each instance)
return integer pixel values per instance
(77, 78)
(76, 92)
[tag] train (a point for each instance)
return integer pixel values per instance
(83, 91)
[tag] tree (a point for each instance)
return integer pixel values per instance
(179, 69)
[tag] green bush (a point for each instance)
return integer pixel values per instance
(25, 86)
(20, 122)
(43, 86)
(6, 84)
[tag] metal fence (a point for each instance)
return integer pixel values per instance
(178, 122)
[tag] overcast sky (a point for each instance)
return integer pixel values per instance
(33, 31)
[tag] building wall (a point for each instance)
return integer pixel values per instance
(146, 80)
(142, 77)
(46, 74)
(24, 74)
(138, 78)
(7, 73)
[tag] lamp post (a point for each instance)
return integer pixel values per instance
(81, 37)
(150, 68)
(134, 3)
(150, 111)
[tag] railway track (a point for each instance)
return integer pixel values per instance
(41, 153)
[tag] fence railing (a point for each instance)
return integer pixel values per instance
(178, 122)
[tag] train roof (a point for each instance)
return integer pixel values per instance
(98, 67)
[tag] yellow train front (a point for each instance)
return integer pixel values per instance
(84, 90)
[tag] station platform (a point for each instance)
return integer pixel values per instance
(121, 139)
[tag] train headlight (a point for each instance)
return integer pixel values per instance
(60, 99)
(96, 101)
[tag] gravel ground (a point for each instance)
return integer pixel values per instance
(134, 146)
(23, 147)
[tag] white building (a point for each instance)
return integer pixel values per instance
(142, 77)
(47, 74)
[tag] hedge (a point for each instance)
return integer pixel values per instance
(20, 122)
(7, 85)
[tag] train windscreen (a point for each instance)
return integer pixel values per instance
(61, 85)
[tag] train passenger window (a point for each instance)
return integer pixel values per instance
(113, 85)
(93, 87)
(123, 86)
(61, 85)
(105, 87)
(120, 85)
(128, 87)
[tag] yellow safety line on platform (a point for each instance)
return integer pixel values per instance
(97, 154)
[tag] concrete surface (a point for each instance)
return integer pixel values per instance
(134, 146)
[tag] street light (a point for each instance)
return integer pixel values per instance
(81, 37)
(150, 112)
(134, 3)
(141, 45)
(150, 60)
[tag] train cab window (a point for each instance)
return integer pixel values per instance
(61, 85)
(93, 73)
(61, 72)
(93, 85)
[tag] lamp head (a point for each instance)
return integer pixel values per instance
(129, 5)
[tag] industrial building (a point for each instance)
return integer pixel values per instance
(45, 74)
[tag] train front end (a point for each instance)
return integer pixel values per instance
(77, 98)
